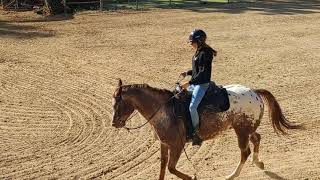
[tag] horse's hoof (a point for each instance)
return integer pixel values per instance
(260, 165)
(230, 177)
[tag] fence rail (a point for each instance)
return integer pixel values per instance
(19, 4)
(131, 4)
(83, 2)
(136, 3)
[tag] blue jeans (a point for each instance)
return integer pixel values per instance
(198, 91)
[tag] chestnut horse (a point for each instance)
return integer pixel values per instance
(244, 116)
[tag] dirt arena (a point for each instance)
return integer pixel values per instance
(57, 77)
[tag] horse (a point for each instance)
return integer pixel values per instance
(244, 116)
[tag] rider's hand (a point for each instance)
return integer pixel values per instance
(184, 74)
(215, 53)
(185, 86)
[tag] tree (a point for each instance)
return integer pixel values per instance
(53, 7)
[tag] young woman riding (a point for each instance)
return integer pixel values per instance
(200, 76)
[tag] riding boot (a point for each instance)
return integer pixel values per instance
(196, 140)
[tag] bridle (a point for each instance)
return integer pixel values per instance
(149, 119)
(152, 115)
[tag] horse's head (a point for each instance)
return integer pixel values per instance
(122, 108)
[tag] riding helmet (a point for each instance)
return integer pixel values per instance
(197, 35)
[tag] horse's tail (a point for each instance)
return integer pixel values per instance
(278, 120)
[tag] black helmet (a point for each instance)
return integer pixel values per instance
(198, 36)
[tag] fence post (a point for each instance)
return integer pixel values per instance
(101, 5)
(137, 5)
(64, 7)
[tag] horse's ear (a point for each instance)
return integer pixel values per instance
(119, 89)
(119, 82)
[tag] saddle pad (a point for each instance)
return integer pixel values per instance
(215, 99)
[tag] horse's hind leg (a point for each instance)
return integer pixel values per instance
(243, 142)
(255, 139)
(174, 155)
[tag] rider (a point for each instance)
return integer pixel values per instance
(201, 76)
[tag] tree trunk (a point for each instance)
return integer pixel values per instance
(54, 7)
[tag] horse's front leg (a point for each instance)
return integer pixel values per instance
(174, 155)
(164, 160)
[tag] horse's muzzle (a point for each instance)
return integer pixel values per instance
(114, 124)
(117, 125)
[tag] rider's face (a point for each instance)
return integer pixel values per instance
(194, 44)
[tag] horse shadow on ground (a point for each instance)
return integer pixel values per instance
(273, 175)
(272, 7)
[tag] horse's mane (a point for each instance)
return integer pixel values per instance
(158, 91)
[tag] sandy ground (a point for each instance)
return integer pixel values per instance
(57, 76)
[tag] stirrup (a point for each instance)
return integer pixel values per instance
(196, 140)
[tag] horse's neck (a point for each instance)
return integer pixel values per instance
(146, 101)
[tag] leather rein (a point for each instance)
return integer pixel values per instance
(154, 113)
(149, 119)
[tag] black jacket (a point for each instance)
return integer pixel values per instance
(201, 66)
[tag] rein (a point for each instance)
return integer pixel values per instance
(153, 114)
(149, 119)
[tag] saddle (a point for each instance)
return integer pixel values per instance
(215, 100)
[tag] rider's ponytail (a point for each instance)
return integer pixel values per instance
(205, 45)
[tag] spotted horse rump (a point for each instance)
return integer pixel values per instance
(245, 105)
